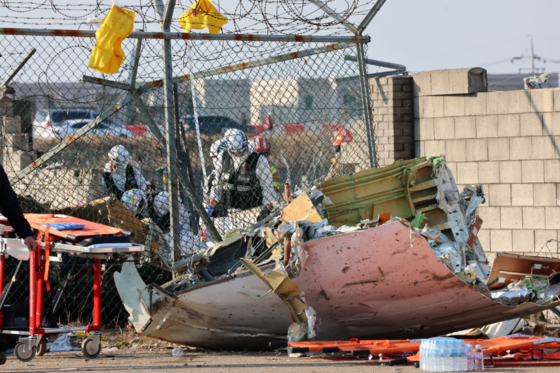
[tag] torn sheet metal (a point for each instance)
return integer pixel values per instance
(494, 330)
(405, 188)
(364, 279)
(134, 295)
(371, 284)
(285, 288)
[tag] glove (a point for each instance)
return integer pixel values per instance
(108, 167)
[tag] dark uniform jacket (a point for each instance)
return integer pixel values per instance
(10, 208)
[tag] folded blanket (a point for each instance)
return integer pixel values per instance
(65, 226)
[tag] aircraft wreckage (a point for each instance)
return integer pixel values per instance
(390, 252)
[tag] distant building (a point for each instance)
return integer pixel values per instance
(512, 82)
(292, 100)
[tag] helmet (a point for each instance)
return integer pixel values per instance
(161, 203)
(134, 200)
(217, 147)
(261, 144)
(342, 135)
(119, 154)
(236, 142)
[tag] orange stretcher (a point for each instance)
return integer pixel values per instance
(94, 241)
(357, 347)
(91, 229)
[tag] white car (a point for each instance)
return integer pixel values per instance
(58, 124)
(103, 129)
(47, 123)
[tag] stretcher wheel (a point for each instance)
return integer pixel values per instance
(2, 359)
(42, 348)
(23, 354)
(90, 349)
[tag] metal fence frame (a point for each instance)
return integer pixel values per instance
(168, 82)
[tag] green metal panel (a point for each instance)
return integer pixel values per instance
(368, 193)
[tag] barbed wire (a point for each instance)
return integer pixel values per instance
(244, 16)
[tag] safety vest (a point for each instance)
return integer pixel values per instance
(242, 189)
(129, 183)
(277, 182)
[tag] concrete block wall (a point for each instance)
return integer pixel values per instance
(62, 187)
(58, 187)
(391, 98)
(510, 143)
(14, 158)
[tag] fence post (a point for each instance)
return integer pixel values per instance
(364, 91)
(183, 156)
(170, 130)
(133, 72)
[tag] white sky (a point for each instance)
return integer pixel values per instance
(440, 34)
(423, 35)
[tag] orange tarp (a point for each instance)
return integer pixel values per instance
(91, 229)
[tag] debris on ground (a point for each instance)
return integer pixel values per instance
(61, 344)
(354, 252)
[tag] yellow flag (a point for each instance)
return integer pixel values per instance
(202, 14)
(107, 55)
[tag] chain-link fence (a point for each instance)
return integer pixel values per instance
(298, 95)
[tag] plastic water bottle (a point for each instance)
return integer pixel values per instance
(427, 355)
(436, 359)
(478, 359)
(423, 354)
(446, 353)
(470, 358)
(451, 351)
(443, 355)
(432, 356)
(462, 356)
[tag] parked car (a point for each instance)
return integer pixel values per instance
(211, 124)
(60, 123)
(105, 128)
(47, 122)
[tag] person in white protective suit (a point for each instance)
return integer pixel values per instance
(217, 147)
(119, 175)
(157, 206)
(243, 179)
(135, 201)
(223, 224)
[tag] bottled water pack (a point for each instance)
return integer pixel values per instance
(443, 355)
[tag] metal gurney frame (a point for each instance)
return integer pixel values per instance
(32, 341)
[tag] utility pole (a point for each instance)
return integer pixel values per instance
(530, 56)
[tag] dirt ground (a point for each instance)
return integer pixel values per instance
(138, 360)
